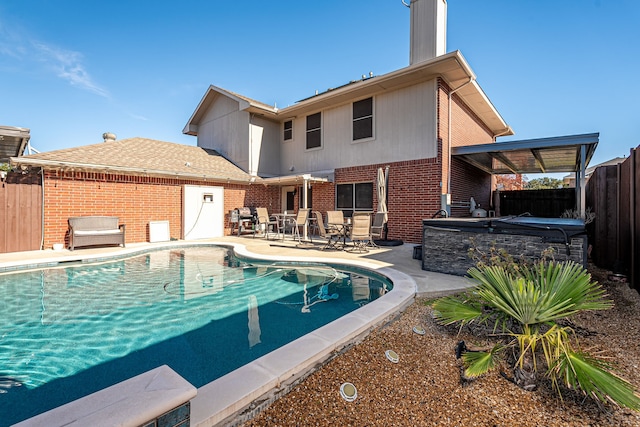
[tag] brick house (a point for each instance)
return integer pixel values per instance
(408, 120)
(323, 151)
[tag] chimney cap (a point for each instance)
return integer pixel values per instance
(108, 136)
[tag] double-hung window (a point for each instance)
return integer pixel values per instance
(363, 119)
(314, 131)
(288, 130)
(354, 197)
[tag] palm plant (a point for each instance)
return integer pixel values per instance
(525, 308)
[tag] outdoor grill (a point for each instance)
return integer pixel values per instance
(244, 219)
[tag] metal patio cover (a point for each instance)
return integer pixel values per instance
(544, 155)
(570, 153)
(13, 142)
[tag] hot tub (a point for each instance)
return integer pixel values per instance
(446, 241)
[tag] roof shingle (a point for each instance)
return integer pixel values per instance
(141, 156)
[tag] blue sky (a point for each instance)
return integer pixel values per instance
(71, 70)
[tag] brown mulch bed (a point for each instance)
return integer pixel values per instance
(424, 387)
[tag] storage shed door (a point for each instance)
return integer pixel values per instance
(203, 212)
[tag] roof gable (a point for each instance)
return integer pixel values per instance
(212, 93)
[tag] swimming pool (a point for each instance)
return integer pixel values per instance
(66, 332)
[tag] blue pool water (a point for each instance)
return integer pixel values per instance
(67, 332)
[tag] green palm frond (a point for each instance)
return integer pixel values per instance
(449, 310)
(592, 377)
(568, 289)
(480, 362)
(536, 297)
(544, 293)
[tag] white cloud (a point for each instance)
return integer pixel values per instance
(68, 65)
(22, 50)
(138, 117)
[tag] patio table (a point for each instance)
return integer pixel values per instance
(342, 228)
(282, 220)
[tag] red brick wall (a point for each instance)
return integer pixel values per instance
(136, 200)
(466, 129)
(413, 193)
(324, 198)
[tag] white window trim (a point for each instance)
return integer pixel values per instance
(373, 121)
(292, 131)
(321, 132)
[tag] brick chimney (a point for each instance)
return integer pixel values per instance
(428, 29)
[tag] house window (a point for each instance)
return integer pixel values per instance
(288, 130)
(363, 119)
(314, 131)
(354, 197)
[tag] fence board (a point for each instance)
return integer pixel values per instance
(612, 192)
(21, 216)
(634, 159)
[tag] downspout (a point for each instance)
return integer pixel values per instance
(451, 92)
(250, 145)
(42, 224)
(492, 202)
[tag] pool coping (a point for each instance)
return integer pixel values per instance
(238, 395)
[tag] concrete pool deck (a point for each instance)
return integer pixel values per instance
(237, 395)
(428, 284)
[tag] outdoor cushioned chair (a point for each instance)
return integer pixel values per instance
(360, 233)
(263, 219)
(332, 236)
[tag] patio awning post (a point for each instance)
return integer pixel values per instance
(581, 183)
(305, 193)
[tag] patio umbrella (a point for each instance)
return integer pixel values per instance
(382, 193)
(383, 184)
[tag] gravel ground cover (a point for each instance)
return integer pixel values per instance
(424, 388)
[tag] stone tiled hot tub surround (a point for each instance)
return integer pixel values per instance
(446, 241)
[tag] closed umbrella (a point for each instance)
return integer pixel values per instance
(383, 185)
(382, 193)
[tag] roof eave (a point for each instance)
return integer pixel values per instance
(451, 67)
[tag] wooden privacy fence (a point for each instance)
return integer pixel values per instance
(612, 194)
(20, 212)
(548, 203)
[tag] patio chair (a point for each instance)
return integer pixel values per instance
(335, 217)
(266, 221)
(335, 223)
(377, 228)
(360, 233)
(300, 220)
(332, 236)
